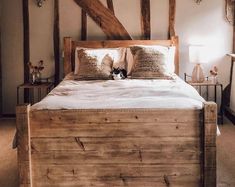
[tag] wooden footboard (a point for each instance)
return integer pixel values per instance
(117, 147)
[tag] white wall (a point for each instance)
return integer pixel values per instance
(204, 24)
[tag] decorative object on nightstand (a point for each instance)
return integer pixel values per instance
(213, 75)
(35, 75)
(206, 84)
(197, 56)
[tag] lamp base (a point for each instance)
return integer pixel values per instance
(198, 75)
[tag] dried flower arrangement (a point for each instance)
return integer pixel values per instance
(214, 73)
(40, 66)
(36, 72)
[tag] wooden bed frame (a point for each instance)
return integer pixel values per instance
(116, 147)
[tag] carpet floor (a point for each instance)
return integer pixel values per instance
(225, 155)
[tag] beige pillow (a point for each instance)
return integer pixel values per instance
(150, 62)
(117, 55)
(93, 65)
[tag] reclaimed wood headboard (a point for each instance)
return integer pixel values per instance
(70, 46)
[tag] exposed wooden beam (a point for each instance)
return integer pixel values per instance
(172, 11)
(56, 36)
(84, 26)
(145, 19)
(110, 5)
(26, 44)
(105, 19)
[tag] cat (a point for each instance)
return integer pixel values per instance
(118, 74)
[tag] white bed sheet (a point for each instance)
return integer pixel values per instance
(128, 93)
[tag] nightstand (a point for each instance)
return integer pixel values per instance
(207, 84)
(34, 90)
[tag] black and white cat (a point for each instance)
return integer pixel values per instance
(119, 74)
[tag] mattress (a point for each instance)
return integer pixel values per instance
(115, 94)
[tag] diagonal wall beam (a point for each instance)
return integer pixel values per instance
(105, 19)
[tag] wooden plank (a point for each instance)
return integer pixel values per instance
(79, 174)
(113, 116)
(116, 130)
(120, 43)
(26, 44)
(116, 157)
(172, 12)
(104, 18)
(24, 147)
(210, 121)
(145, 19)
(84, 25)
(115, 143)
(124, 181)
(67, 55)
(110, 5)
(56, 39)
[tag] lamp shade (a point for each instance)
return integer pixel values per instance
(197, 54)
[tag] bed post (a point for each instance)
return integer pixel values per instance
(67, 55)
(23, 145)
(209, 144)
(175, 42)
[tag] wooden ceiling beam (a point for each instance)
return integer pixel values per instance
(145, 19)
(105, 19)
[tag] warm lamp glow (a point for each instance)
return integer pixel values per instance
(197, 54)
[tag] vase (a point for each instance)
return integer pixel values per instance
(36, 77)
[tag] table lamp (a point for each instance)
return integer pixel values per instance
(197, 56)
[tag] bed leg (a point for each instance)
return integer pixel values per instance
(209, 144)
(23, 145)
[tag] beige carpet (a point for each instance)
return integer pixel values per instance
(225, 155)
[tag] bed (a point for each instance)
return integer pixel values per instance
(72, 139)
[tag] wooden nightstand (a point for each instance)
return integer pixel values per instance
(39, 88)
(207, 84)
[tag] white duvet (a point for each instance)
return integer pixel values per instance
(128, 93)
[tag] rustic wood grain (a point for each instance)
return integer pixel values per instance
(175, 40)
(72, 45)
(56, 39)
(84, 25)
(26, 44)
(23, 144)
(172, 12)
(117, 143)
(110, 5)
(67, 55)
(145, 19)
(104, 18)
(210, 121)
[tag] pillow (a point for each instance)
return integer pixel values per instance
(151, 62)
(98, 63)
